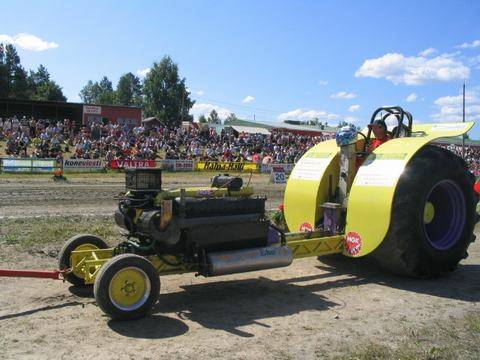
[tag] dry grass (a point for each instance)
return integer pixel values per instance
(35, 234)
(452, 339)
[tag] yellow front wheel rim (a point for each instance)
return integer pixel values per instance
(129, 288)
(80, 271)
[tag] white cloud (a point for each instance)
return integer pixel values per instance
(412, 97)
(143, 72)
(343, 95)
(322, 82)
(412, 70)
(300, 114)
(28, 42)
(354, 108)
(473, 44)
(200, 93)
(427, 52)
(248, 99)
(450, 107)
(204, 109)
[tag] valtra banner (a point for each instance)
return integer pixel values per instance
(133, 164)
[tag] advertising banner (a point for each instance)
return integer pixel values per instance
(227, 166)
(92, 109)
(267, 168)
(83, 164)
(29, 165)
(133, 164)
(168, 164)
(183, 165)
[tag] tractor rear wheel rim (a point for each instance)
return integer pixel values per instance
(446, 227)
(129, 289)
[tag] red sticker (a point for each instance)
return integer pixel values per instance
(353, 243)
(306, 226)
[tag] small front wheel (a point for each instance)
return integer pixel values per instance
(127, 287)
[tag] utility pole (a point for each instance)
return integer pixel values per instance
(463, 117)
(183, 101)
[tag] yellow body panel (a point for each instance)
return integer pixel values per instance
(371, 196)
(370, 199)
(307, 186)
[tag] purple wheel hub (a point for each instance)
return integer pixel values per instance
(446, 227)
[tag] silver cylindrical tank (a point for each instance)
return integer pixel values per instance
(237, 261)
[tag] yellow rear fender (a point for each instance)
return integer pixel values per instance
(370, 199)
(308, 186)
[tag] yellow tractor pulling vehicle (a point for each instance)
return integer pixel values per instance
(408, 204)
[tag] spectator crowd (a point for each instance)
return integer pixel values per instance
(49, 139)
(56, 139)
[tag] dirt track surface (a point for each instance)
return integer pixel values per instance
(29, 196)
(309, 310)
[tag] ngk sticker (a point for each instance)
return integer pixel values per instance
(353, 243)
(306, 226)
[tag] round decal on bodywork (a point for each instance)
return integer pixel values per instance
(306, 226)
(353, 243)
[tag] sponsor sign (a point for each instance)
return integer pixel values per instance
(183, 165)
(29, 165)
(227, 166)
(133, 164)
(83, 164)
(311, 166)
(92, 109)
(449, 127)
(353, 243)
(379, 172)
(267, 168)
(278, 175)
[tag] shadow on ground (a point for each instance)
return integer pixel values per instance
(462, 284)
(41, 309)
(152, 327)
(229, 305)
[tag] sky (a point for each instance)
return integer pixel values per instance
(267, 60)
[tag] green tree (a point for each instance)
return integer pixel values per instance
(129, 90)
(18, 86)
(213, 118)
(90, 92)
(230, 118)
(42, 87)
(98, 92)
(39, 77)
(202, 119)
(107, 95)
(165, 93)
(4, 78)
(49, 91)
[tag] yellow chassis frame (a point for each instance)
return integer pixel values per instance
(89, 262)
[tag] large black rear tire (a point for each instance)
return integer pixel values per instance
(433, 216)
